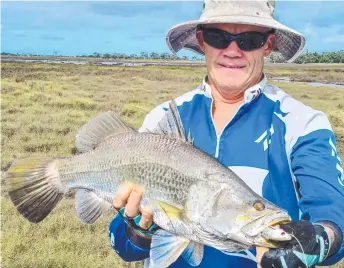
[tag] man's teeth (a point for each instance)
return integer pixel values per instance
(234, 67)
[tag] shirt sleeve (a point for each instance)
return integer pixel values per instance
(153, 118)
(122, 241)
(317, 168)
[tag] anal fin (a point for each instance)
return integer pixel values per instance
(90, 206)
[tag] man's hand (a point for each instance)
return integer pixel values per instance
(311, 246)
(129, 196)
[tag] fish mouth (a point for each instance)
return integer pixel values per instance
(276, 219)
(269, 219)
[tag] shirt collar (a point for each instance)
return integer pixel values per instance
(250, 93)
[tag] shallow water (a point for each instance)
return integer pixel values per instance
(315, 84)
(103, 63)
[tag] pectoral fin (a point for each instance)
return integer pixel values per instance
(171, 211)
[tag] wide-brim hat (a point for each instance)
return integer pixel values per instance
(289, 42)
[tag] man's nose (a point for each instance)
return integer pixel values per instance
(233, 51)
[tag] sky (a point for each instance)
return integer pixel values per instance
(77, 27)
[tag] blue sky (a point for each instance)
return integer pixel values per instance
(75, 28)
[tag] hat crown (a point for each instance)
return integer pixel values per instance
(219, 8)
(289, 42)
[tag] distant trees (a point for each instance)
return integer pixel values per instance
(143, 56)
(275, 58)
(326, 57)
(305, 57)
(311, 57)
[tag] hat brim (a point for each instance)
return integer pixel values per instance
(289, 42)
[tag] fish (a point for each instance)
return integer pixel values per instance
(196, 200)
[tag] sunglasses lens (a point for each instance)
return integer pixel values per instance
(215, 39)
(250, 41)
(246, 41)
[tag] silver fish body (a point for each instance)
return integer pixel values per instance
(194, 196)
(158, 163)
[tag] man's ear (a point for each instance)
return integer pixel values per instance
(270, 45)
(199, 36)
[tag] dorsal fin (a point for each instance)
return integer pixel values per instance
(97, 129)
(171, 124)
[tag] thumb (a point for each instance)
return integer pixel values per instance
(260, 252)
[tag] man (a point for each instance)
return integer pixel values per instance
(284, 150)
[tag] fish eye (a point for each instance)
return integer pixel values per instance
(259, 206)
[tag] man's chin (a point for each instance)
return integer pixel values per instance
(232, 86)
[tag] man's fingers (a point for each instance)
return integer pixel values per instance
(146, 217)
(132, 207)
(121, 197)
(260, 252)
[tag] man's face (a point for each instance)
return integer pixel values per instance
(232, 69)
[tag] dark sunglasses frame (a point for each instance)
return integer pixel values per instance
(243, 40)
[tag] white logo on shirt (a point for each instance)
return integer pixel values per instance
(266, 137)
(112, 239)
(338, 167)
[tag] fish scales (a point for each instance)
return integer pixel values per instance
(164, 179)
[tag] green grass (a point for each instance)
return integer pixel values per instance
(42, 108)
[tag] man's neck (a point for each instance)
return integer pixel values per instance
(225, 104)
(233, 96)
(224, 107)
(223, 113)
(227, 98)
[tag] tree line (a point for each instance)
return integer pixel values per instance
(305, 57)
(116, 56)
(311, 57)
(142, 55)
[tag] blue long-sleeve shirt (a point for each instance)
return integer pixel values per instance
(284, 150)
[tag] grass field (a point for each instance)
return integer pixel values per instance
(44, 105)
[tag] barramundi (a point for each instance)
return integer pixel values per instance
(196, 200)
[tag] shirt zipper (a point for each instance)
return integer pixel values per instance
(218, 137)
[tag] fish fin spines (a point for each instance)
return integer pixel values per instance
(34, 187)
(89, 206)
(98, 129)
(166, 248)
(171, 124)
(175, 117)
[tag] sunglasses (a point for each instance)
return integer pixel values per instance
(246, 41)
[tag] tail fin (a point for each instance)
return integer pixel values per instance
(34, 187)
